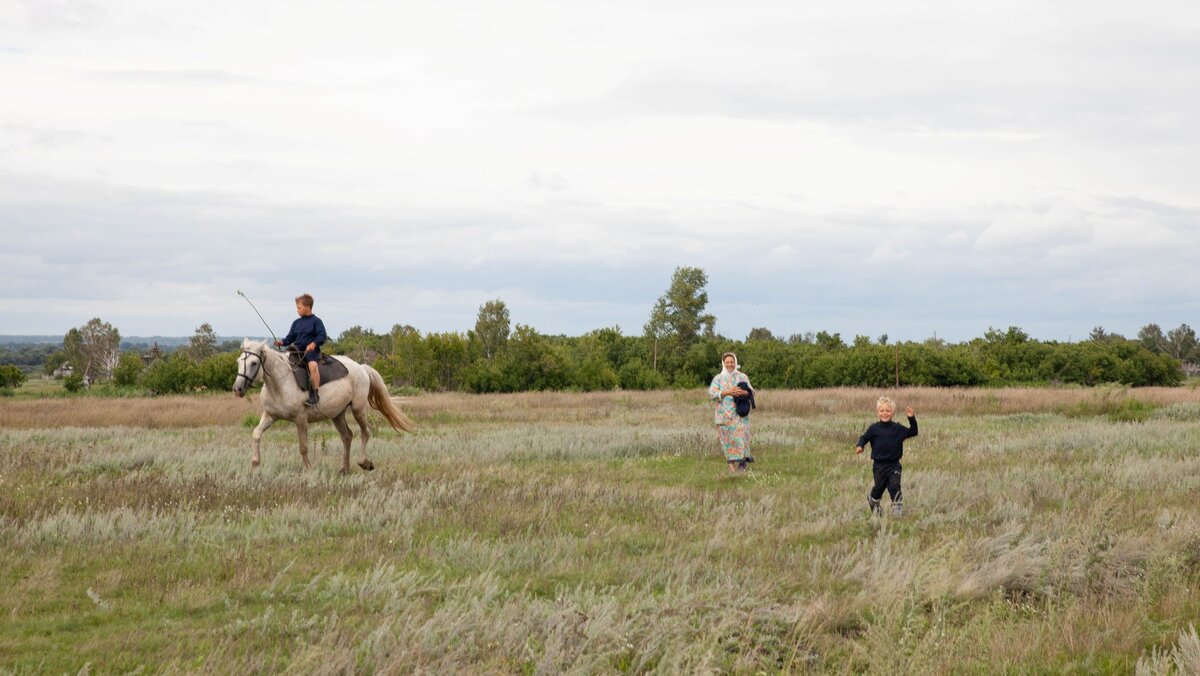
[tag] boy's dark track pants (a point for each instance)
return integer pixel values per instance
(887, 476)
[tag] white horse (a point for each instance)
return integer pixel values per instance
(283, 399)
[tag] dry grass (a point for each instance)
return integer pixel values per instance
(223, 409)
(151, 413)
(586, 533)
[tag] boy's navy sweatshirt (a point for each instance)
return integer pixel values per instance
(887, 439)
(306, 330)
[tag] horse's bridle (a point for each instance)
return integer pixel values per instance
(250, 376)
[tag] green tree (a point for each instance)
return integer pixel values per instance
(11, 376)
(410, 360)
(657, 330)
(1182, 343)
(448, 359)
(53, 361)
(1151, 336)
(93, 349)
(492, 328)
(128, 369)
(73, 383)
(685, 302)
(829, 341)
(1099, 335)
(635, 374)
(216, 373)
(533, 362)
(174, 375)
(361, 345)
(760, 333)
(73, 350)
(677, 319)
(203, 343)
(595, 352)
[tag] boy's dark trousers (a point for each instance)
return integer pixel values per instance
(887, 475)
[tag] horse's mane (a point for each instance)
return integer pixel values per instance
(260, 346)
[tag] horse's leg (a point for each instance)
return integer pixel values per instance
(347, 437)
(302, 432)
(263, 424)
(360, 414)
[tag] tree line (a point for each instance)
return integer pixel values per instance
(677, 347)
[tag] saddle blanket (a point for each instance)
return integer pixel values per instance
(330, 369)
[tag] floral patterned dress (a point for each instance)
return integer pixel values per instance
(733, 430)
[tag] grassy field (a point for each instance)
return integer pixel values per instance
(1046, 531)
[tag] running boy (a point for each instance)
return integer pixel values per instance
(887, 446)
(308, 332)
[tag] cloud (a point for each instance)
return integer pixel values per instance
(823, 163)
(553, 182)
(187, 77)
(64, 14)
(956, 239)
(1058, 222)
(887, 254)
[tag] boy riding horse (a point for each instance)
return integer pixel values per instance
(307, 331)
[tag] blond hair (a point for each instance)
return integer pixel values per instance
(305, 299)
(885, 401)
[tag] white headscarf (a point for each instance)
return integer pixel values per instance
(736, 365)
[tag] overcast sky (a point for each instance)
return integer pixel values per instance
(888, 166)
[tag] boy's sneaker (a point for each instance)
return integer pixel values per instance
(313, 398)
(897, 509)
(874, 505)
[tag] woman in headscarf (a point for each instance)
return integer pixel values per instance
(733, 430)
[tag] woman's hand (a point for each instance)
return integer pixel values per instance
(734, 392)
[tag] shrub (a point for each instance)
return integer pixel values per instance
(73, 383)
(174, 375)
(217, 372)
(11, 376)
(128, 369)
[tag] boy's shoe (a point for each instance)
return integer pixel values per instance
(313, 399)
(897, 509)
(874, 505)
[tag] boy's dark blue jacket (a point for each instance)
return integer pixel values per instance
(887, 439)
(745, 402)
(306, 330)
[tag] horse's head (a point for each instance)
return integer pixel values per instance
(249, 366)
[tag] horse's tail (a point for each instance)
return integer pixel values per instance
(381, 400)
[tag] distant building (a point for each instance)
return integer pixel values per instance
(63, 371)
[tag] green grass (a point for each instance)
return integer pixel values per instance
(35, 388)
(1035, 542)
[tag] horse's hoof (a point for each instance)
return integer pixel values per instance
(367, 465)
(344, 471)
